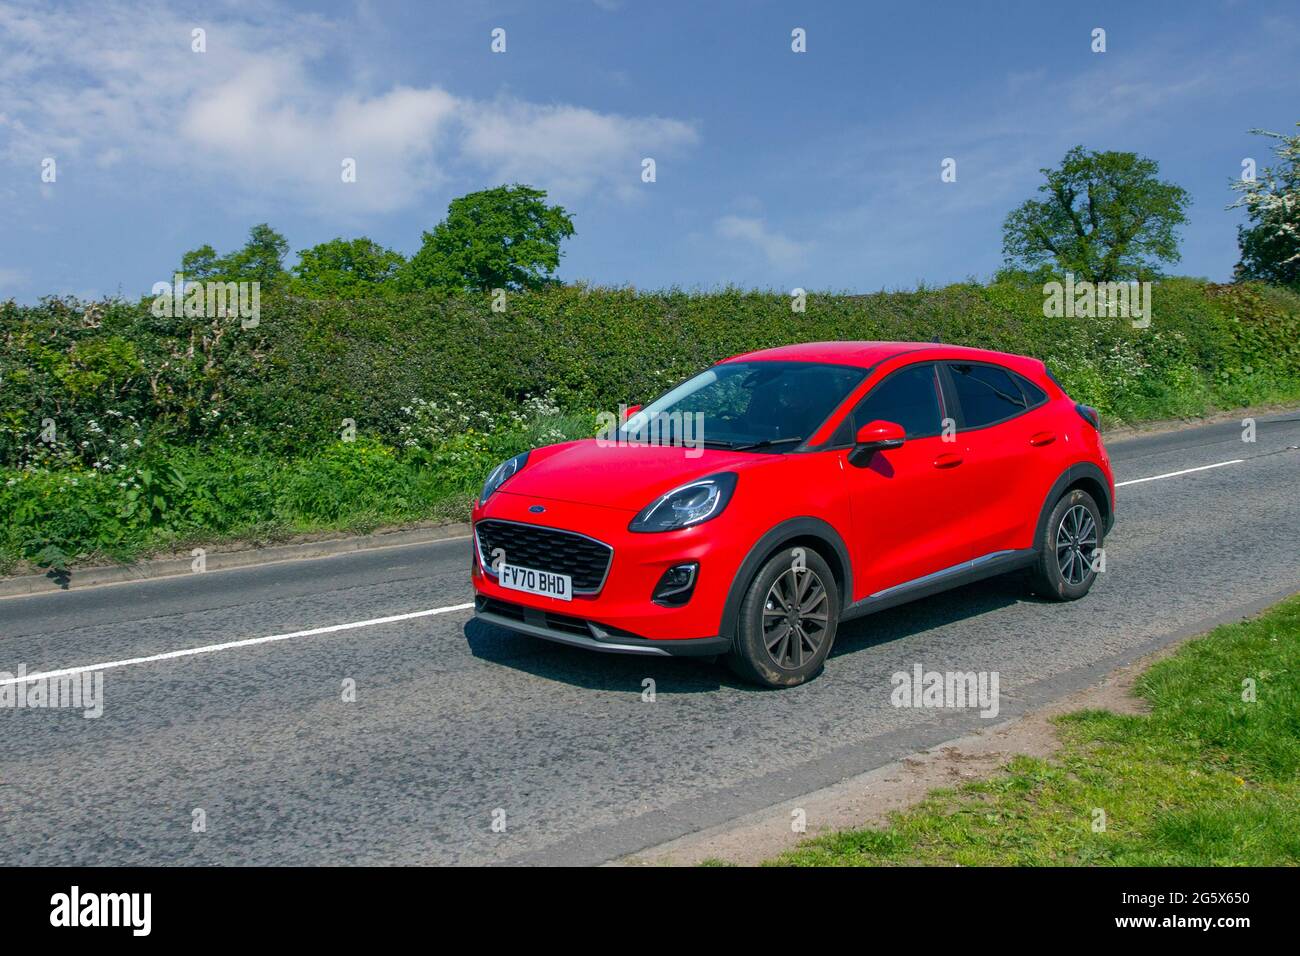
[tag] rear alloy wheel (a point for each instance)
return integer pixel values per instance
(787, 620)
(1076, 544)
(1066, 566)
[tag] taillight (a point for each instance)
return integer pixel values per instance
(1089, 415)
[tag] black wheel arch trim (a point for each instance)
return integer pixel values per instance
(1076, 472)
(792, 529)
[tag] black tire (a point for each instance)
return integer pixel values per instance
(1063, 570)
(798, 655)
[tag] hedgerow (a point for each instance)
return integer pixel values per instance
(121, 430)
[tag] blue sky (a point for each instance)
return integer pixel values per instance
(774, 169)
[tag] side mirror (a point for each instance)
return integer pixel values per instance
(873, 437)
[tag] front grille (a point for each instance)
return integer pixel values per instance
(546, 549)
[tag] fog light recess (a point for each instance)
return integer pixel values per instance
(675, 587)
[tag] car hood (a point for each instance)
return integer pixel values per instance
(620, 476)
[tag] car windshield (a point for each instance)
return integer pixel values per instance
(765, 404)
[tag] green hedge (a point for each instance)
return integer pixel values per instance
(593, 349)
(113, 372)
(168, 429)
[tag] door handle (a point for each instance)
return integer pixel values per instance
(948, 460)
(1043, 438)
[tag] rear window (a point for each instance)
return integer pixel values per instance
(987, 394)
(1033, 394)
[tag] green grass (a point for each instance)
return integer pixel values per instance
(1205, 779)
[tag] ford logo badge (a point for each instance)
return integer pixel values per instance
(536, 509)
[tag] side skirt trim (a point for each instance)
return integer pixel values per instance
(967, 572)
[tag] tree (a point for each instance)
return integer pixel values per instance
(343, 268)
(502, 238)
(1106, 217)
(260, 260)
(200, 264)
(1270, 247)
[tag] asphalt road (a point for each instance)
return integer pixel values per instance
(453, 720)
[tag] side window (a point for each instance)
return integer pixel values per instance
(908, 397)
(1033, 394)
(986, 394)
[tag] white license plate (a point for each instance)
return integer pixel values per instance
(515, 578)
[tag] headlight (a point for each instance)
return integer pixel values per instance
(500, 475)
(688, 505)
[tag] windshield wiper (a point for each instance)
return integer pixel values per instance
(766, 443)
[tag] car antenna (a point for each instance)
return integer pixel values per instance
(936, 341)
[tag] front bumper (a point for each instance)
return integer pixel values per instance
(577, 632)
(621, 611)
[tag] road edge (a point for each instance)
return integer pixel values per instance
(1164, 426)
(27, 584)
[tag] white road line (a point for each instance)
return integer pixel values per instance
(1175, 474)
(248, 642)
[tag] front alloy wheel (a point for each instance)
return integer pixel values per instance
(795, 615)
(787, 620)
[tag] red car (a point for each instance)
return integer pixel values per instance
(799, 487)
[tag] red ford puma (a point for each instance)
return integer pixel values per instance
(756, 506)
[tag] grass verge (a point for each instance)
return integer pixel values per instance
(1210, 777)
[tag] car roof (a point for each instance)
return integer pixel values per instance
(871, 354)
(864, 354)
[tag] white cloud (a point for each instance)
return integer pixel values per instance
(781, 252)
(251, 124)
(568, 146)
(257, 111)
